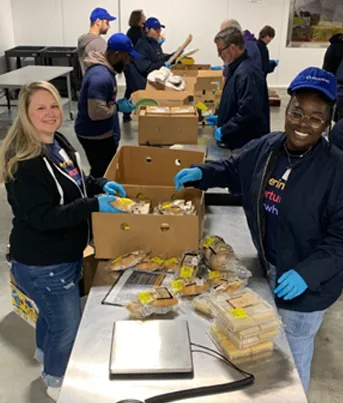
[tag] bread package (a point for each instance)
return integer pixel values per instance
(126, 261)
(176, 207)
(130, 206)
(151, 263)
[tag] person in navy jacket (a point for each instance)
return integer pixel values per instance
(244, 103)
(337, 134)
(97, 123)
(291, 184)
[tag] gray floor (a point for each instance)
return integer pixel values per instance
(19, 374)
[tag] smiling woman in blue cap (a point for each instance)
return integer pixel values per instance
(291, 185)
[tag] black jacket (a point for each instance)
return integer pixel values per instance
(310, 232)
(135, 34)
(334, 54)
(337, 135)
(51, 211)
(244, 107)
(268, 66)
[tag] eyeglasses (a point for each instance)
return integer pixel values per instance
(220, 51)
(297, 117)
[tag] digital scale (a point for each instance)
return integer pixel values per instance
(151, 348)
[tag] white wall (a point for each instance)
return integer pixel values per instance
(6, 32)
(60, 22)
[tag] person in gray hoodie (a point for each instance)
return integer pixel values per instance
(93, 41)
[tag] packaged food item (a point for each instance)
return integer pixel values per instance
(189, 267)
(159, 301)
(172, 264)
(127, 261)
(194, 286)
(130, 206)
(220, 256)
(242, 309)
(252, 340)
(227, 286)
(151, 263)
(176, 207)
(202, 304)
(158, 110)
(234, 353)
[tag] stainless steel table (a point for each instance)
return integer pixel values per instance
(18, 78)
(87, 378)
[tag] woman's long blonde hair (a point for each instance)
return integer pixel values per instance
(22, 141)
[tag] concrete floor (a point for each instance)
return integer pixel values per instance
(20, 375)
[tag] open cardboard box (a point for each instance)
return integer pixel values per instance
(134, 165)
(189, 70)
(160, 98)
(118, 234)
(167, 128)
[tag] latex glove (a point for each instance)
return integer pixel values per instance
(276, 61)
(291, 285)
(212, 120)
(105, 206)
(161, 41)
(187, 175)
(218, 135)
(216, 68)
(113, 188)
(125, 106)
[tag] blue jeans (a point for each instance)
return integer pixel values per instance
(55, 290)
(301, 329)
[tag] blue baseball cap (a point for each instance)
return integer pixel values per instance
(122, 43)
(316, 79)
(101, 14)
(153, 22)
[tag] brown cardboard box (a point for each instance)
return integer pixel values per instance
(117, 234)
(168, 127)
(134, 165)
(161, 98)
(209, 80)
(189, 70)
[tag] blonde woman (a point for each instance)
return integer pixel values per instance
(52, 201)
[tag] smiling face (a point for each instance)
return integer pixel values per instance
(44, 114)
(307, 117)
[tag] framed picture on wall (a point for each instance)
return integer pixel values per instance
(313, 22)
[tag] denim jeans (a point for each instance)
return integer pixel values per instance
(301, 329)
(55, 290)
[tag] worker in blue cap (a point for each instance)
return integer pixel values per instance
(97, 124)
(93, 41)
(153, 58)
(291, 184)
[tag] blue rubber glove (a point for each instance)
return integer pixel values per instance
(168, 65)
(291, 285)
(212, 120)
(112, 188)
(105, 206)
(161, 41)
(187, 175)
(216, 68)
(218, 135)
(125, 106)
(276, 61)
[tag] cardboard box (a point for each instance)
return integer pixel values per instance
(189, 70)
(160, 98)
(209, 81)
(152, 166)
(167, 127)
(118, 234)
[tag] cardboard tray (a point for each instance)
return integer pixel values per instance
(134, 165)
(118, 234)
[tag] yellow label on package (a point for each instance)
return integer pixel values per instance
(166, 205)
(145, 297)
(186, 272)
(208, 242)
(238, 313)
(116, 260)
(125, 202)
(177, 285)
(202, 106)
(214, 275)
(157, 260)
(171, 261)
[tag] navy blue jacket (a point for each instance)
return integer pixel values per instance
(339, 76)
(98, 83)
(244, 104)
(268, 66)
(337, 135)
(310, 232)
